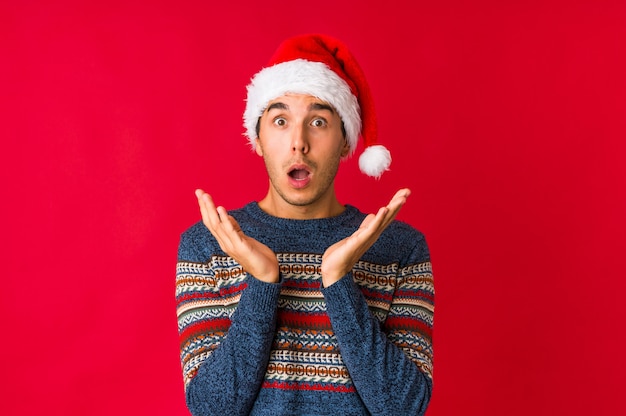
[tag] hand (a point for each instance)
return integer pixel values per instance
(341, 257)
(256, 258)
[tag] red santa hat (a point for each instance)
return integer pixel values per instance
(323, 67)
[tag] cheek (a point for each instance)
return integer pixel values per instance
(269, 149)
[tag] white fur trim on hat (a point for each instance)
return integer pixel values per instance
(302, 77)
(375, 160)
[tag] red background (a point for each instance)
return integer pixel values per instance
(507, 120)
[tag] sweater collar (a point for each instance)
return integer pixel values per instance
(347, 216)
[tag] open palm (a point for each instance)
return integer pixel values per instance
(255, 257)
(341, 257)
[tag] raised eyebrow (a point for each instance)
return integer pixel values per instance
(277, 106)
(321, 106)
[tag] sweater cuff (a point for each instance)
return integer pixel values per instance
(259, 298)
(342, 297)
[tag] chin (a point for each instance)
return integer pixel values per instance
(299, 198)
(300, 201)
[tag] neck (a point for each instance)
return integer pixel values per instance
(324, 207)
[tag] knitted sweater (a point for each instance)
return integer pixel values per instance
(360, 346)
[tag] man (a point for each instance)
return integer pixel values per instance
(297, 304)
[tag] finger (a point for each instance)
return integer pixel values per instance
(367, 221)
(210, 217)
(383, 218)
(229, 228)
(398, 200)
(232, 223)
(209, 211)
(371, 225)
(202, 206)
(387, 213)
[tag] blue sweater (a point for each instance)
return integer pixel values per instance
(361, 346)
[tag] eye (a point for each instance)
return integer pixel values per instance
(318, 122)
(279, 121)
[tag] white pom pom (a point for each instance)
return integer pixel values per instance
(375, 160)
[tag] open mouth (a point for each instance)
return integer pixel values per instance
(299, 174)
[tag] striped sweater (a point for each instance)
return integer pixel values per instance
(361, 346)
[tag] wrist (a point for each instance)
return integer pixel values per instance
(271, 276)
(330, 278)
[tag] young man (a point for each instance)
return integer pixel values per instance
(297, 304)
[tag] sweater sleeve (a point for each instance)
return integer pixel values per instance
(390, 364)
(226, 324)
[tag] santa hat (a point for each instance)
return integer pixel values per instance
(323, 67)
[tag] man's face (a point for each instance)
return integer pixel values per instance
(301, 142)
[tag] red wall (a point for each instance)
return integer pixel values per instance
(507, 120)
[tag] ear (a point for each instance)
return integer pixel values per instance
(346, 149)
(257, 146)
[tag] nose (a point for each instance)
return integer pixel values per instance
(299, 140)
